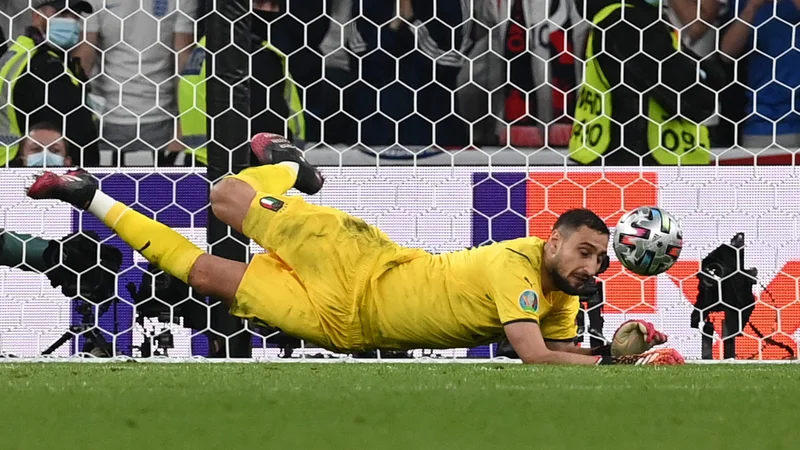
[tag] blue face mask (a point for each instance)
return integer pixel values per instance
(63, 32)
(44, 157)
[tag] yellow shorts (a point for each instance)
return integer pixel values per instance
(311, 280)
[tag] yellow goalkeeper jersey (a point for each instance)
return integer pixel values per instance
(463, 299)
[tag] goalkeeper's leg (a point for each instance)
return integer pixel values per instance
(231, 201)
(158, 243)
(239, 200)
(234, 197)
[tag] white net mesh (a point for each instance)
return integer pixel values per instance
(445, 123)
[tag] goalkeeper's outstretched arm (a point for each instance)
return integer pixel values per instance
(569, 347)
(528, 343)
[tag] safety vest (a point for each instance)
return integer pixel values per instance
(12, 67)
(192, 102)
(671, 140)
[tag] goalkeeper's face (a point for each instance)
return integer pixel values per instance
(577, 258)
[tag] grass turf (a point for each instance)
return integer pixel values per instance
(414, 406)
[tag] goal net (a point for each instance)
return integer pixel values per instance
(446, 127)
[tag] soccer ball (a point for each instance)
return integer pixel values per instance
(648, 240)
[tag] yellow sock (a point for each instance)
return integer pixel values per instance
(273, 179)
(158, 243)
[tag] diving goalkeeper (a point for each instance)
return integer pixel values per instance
(335, 281)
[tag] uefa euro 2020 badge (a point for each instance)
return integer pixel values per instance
(529, 301)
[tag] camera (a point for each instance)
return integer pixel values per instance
(724, 285)
(86, 271)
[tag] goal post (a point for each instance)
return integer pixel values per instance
(228, 107)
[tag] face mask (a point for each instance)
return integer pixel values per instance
(63, 32)
(45, 157)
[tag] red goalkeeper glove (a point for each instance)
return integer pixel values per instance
(660, 357)
(635, 337)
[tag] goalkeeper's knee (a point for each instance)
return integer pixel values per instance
(230, 201)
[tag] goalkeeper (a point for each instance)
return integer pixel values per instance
(335, 281)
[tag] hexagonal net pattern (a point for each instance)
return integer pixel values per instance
(447, 124)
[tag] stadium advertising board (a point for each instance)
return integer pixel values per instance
(443, 209)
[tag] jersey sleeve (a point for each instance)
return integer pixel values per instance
(559, 324)
(515, 292)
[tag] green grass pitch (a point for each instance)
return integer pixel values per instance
(397, 406)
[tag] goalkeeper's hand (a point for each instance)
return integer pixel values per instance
(660, 357)
(635, 337)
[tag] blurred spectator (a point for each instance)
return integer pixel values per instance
(409, 62)
(38, 88)
(297, 31)
(328, 99)
(15, 18)
(478, 80)
(3, 41)
(275, 104)
(642, 99)
(45, 147)
(773, 59)
(699, 33)
(137, 82)
(537, 40)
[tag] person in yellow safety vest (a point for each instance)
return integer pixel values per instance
(281, 113)
(643, 100)
(37, 87)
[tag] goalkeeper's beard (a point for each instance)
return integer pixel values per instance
(563, 284)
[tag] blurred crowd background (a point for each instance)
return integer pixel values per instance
(444, 74)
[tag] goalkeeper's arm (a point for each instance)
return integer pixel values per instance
(569, 347)
(633, 337)
(528, 343)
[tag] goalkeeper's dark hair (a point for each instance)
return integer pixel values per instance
(576, 218)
